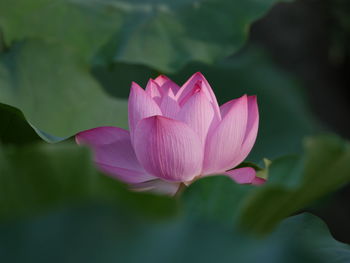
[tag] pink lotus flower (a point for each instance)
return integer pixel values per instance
(176, 136)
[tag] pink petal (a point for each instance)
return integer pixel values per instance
(169, 105)
(258, 181)
(198, 113)
(113, 153)
(165, 84)
(224, 143)
(191, 84)
(161, 80)
(225, 108)
(252, 127)
(157, 186)
(168, 149)
(252, 124)
(245, 175)
(140, 106)
(153, 90)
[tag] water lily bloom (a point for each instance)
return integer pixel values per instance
(177, 134)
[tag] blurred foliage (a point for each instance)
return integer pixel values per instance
(105, 222)
(40, 177)
(55, 93)
(103, 234)
(294, 182)
(162, 34)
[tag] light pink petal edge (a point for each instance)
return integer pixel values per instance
(113, 153)
(157, 186)
(252, 128)
(166, 84)
(140, 106)
(187, 89)
(224, 143)
(245, 175)
(153, 90)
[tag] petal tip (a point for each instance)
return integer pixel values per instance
(135, 86)
(199, 74)
(253, 98)
(161, 76)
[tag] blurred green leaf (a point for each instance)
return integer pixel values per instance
(216, 198)
(56, 94)
(101, 234)
(41, 177)
(116, 78)
(162, 34)
(293, 184)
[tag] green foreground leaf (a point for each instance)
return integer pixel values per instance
(37, 178)
(106, 223)
(101, 234)
(293, 184)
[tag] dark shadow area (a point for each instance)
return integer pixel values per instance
(311, 39)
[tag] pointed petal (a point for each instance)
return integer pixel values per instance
(165, 84)
(252, 127)
(168, 149)
(161, 79)
(226, 107)
(169, 106)
(140, 106)
(187, 89)
(157, 186)
(252, 124)
(224, 143)
(113, 153)
(198, 113)
(245, 175)
(153, 90)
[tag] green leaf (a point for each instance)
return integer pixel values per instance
(162, 34)
(116, 78)
(103, 234)
(216, 198)
(55, 92)
(36, 178)
(294, 183)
